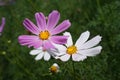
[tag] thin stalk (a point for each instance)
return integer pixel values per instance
(73, 66)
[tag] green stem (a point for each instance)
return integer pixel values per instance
(73, 65)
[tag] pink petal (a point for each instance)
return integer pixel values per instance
(30, 26)
(53, 19)
(41, 20)
(2, 25)
(59, 39)
(48, 45)
(30, 41)
(61, 27)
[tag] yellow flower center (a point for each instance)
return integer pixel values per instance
(44, 35)
(71, 50)
(53, 69)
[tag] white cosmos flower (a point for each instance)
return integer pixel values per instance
(43, 53)
(54, 68)
(81, 49)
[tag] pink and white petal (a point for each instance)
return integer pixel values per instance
(65, 57)
(48, 45)
(59, 39)
(61, 27)
(40, 48)
(46, 56)
(82, 39)
(41, 21)
(53, 19)
(91, 52)
(2, 25)
(35, 51)
(36, 44)
(27, 38)
(39, 56)
(69, 40)
(78, 57)
(91, 43)
(30, 26)
(30, 41)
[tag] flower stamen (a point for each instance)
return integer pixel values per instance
(71, 50)
(44, 35)
(53, 69)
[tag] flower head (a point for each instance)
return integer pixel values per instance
(45, 33)
(2, 25)
(43, 53)
(54, 68)
(81, 49)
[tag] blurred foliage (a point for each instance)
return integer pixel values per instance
(98, 16)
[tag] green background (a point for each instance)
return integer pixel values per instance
(98, 16)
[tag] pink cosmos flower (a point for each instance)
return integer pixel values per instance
(2, 25)
(45, 33)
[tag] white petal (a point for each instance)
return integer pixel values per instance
(35, 51)
(65, 57)
(91, 43)
(53, 52)
(46, 56)
(59, 55)
(39, 56)
(56, 65)
(91, 52)
(82, 39)
(40, 48)
(78, 57)
(69, 41)
(60, 48)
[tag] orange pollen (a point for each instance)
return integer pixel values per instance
(71, 50)
(53, 69)
(44, 35)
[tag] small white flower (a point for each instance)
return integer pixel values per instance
(54, 68)
(43, 53)
(81, 49)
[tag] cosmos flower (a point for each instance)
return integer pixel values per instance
(2, 25)
(54, 68)
(45, 33)
(81, 49)
(43, 53)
